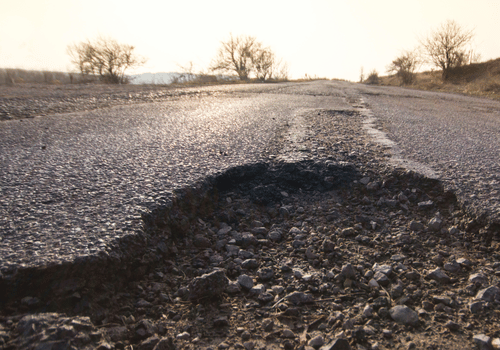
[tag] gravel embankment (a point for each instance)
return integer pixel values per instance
(316, 243)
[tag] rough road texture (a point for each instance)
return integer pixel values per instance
(34, 100)
(324, 243)
(455, 137)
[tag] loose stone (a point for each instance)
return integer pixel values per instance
(439, 276)
(435, 224)
(265, 273)
(490, 294)
(245, 281)
(482, 341)
(337, 344)
(348, 271)
(208, 285)
(478, 278)
(317, 341)
(404, 315)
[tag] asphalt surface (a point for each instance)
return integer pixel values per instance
(451, 137)
(73, 184)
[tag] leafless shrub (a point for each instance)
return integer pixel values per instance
(190, 75)
(373, 78)
(105, 58)
(187, 73)
(405, 66)
(48, 77)
(8, 78)
(281, 71)
(446, 47)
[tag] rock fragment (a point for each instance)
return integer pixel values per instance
(435, 224)
(452, 267)
(439, 276)
(208, 285)
(201, 241)
(337, 344)
(265, 273)
(478, 278)
(482, 341)
(490, 294)
(317, 341)
(404, 315)
(416, 226)
(287, 333)
(476, 307)
(348, 271)
(299, 298)
(245, 281)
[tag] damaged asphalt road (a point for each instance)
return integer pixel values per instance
(97, 172)
(93, 201)
(74, 184)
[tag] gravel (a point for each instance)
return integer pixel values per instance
(340, 213)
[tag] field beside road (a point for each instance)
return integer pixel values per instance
(478, 79)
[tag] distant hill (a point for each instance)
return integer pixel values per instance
(153, 78)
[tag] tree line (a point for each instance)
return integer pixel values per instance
(241, 56)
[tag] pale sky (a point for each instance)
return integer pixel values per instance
(326, 38)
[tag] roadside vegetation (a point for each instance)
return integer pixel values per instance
(105, 58)
(240, 59)
(12, 76)
(245, 57)
(444, 61)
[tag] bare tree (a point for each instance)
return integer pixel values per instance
(81, 57)
(236, 55)
(405, 66)
(446, 47)
(264, 62)
(246, 57)
(105, 58)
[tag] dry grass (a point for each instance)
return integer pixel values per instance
(479, 79)
(12, 76)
